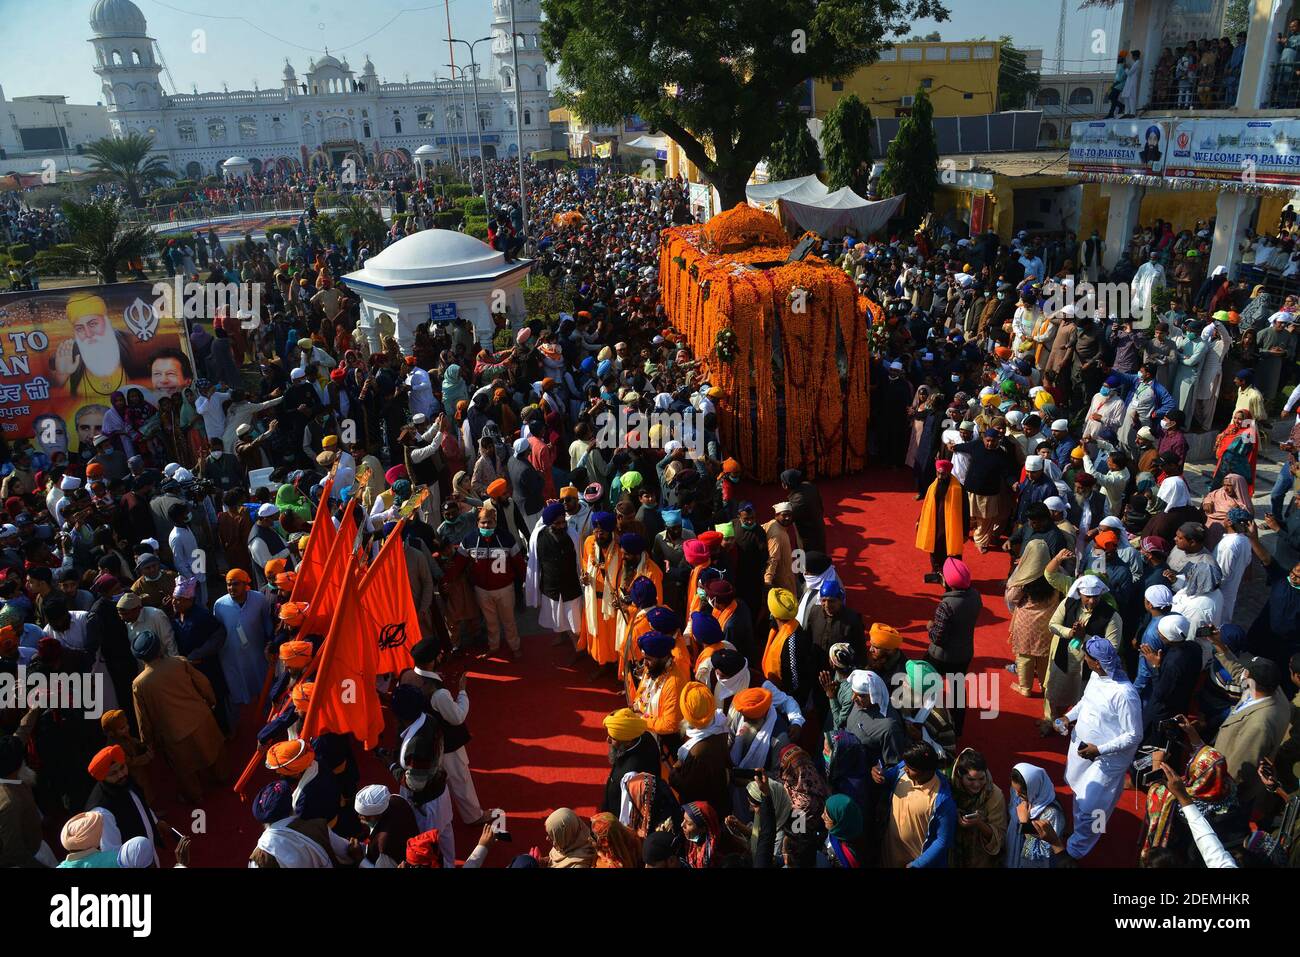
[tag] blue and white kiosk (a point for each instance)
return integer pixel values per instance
(438, 275)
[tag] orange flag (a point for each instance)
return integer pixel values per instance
(319, 542)
(320, 608)
(387, 600)
(345, 700)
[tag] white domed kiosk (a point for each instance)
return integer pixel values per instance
(426, 158)
(237, 167)
(438, 275)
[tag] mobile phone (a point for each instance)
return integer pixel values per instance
(503, 836)
(743, 774)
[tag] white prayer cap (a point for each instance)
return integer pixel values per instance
(1015, 417)
(244, 430)
(1091, 586)
(988, 390)
(1173, 627)
(1146, 433)
(1110, 521)
(1033, 463)
(419, 418)
(151, 542)
(860, 682)
(69, 483)
(896, 366)
(1061, 425)
(269, 510)
(672, 445)
(1219, 271)
(967, 426)
(297, 374)
(372, 800)
(521, 445)
(1055, 504)
(1035, 390)
(1159, 595)
(170, 469)
(781, 507)
(973, 403)
(951, 436)
(183, 475)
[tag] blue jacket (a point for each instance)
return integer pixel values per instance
(1164, 401)
(943, 820)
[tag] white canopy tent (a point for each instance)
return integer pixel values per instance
(804, 189)
(840, 211)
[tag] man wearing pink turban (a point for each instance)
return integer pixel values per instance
(952, 630)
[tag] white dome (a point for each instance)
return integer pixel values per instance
(428, 150)
(117, 18)
(433, 254)
(288, 70)
(235, 161)
(328, 60)
(368, 67)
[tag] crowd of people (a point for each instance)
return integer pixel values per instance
(767, 723)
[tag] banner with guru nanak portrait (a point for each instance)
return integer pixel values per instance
(64, 352)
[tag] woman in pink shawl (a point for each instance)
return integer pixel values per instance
(1233, 493)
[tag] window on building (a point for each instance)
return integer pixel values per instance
(936, 53)
(927, 82)
(983, 52)
(909, 54)
(485, 119)
(1049, 97)
(889, 56)
(397, 122)
(247, 129)
(365, 130)
(1081, 96)
(959, 53)
(968, 96)
(528, 117)
(424, 118)
(216, 131)
(837, 85)
(186, 133)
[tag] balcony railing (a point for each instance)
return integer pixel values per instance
(1284, 86)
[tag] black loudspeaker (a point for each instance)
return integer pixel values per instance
(801, 251)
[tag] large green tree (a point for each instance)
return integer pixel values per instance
(846, 138)
(100, 238)
(127, 161)
(1236, 18)
(712, 74)
(1016, 85)
(795, 154)
(912, 161)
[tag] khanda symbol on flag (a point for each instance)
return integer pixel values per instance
(415, 501)
(392, 636)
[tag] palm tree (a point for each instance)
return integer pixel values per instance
(356, 215)
(100, 238)
(126, 160)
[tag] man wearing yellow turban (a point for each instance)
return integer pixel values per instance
(632, 750)
(698, 770)
(787, 658)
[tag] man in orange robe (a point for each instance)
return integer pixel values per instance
(659, 688)
(630, 563)
(941, 529)
(600, 608)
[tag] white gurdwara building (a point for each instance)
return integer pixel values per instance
(330, 113)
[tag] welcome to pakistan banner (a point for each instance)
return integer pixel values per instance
(1248, 151)
(64, 352)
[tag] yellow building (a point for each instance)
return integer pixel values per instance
(961, 79)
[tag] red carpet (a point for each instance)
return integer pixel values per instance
(538, 743)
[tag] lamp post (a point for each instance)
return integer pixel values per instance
(451, 91)
(519, 125)
(469, 169)
(478, 122)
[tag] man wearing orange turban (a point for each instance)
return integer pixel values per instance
(698, 771)
(884, 651)
(758, 730)
(122, 804)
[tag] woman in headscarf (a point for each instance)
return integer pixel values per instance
(981, 813)
(803, 782)
(918, 413)
(647, 803)
(289, 499)
(1235, 449)
(454, 389)
(1178, 509)
(1233, 493)
(843, 820)
(1214, 793)
(1033, 799)
(193, 427)
(1088, 609)
(571, 841)
(1032, 601)
(707, 842)
(616, 845)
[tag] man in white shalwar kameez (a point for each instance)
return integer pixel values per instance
(1106, 729)
(1149, 277)
(1216, 340)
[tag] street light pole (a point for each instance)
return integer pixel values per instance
(478, 123)
(519, 125)
(464, 101)
(451, 91)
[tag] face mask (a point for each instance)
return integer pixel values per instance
(748, 524)
(1002, 295)
(696, 838)
(216, 454)
(486, 532)
(701, 593)
(1166, 424)
(1105, 391)
(955, 378)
